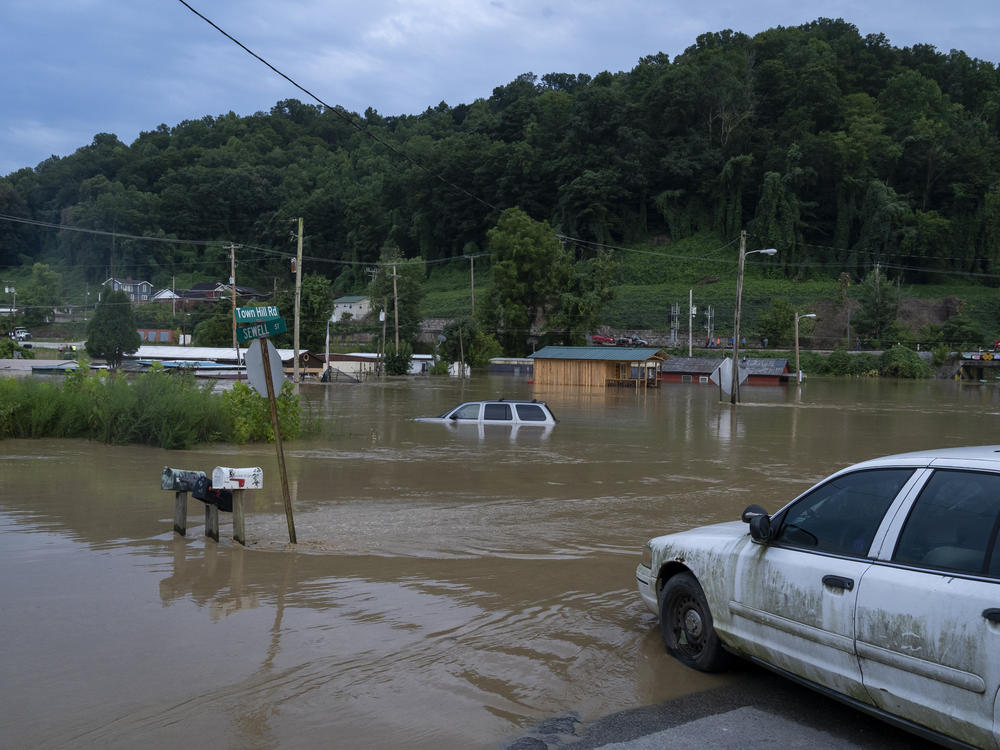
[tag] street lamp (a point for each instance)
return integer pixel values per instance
(734, 395)
(798, 317)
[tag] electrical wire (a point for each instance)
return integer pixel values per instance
(338, 111)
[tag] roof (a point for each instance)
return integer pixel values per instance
(602, 353)
(752, 366)
(350, 300)
(200, 353)
(765, 366)
(690, 364)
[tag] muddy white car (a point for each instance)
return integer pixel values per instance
(879, 586)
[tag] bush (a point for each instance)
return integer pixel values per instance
(251, 414)
(157, 408)
(399, 363)
(900, 362)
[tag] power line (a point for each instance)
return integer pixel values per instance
(338, 112)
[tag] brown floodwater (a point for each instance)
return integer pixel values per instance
(450, 588)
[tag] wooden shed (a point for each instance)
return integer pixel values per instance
(598, 366)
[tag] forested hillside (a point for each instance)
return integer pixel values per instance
(839, 149)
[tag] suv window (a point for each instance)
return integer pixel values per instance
(530, 413)
(843, 515)
(953, 524)
(497, 412)
(466, 411)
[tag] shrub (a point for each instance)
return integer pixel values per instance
(251, 414)
(900, 362)
(399, 363)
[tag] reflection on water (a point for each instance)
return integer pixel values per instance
(452, 585)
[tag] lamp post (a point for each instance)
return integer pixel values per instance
(798, 317)
(734, 395)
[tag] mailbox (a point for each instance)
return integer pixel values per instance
(179, 480)
(225, 478)
(220, 498)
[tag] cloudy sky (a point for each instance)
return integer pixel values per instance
(75, 68)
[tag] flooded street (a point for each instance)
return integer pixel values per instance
(452, 587)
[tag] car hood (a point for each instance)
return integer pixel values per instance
(716, 533)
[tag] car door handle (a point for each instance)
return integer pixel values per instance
(839, 582)
(993, 615)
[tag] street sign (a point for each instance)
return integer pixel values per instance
(257, 313)
(255, 367)
(261, 329)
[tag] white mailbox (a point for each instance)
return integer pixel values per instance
(226, 478)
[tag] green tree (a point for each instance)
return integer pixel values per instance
(778, 324)
(879, 299)
(216, 330)
(315, 309)
(529, 270)
(960, 331)
(42, 293)
(112, 333)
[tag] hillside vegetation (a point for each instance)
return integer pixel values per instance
(843, 152)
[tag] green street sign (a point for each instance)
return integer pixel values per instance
(261, 329)
(257, 313)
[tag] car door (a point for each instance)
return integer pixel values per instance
(497, 413)
(794, 598)
(928, 622)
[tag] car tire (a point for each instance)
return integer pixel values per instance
(687, 626)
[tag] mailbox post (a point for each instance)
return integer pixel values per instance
(239, 481)
(181, 481)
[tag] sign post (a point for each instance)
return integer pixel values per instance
(259, 323)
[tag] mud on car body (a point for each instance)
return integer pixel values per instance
(879, 586)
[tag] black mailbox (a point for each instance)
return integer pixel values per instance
(221, 499)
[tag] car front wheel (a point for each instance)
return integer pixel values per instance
(686, 622)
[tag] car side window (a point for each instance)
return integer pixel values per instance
(530, 413)
(497, 412)
(467, 411)
(953, 524)
(842, 515)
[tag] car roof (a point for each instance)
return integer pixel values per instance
(983, 456)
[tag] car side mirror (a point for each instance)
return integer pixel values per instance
(759, 521)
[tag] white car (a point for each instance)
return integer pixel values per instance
(497, 412)
(880, 587)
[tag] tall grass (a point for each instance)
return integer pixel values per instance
(166, 410)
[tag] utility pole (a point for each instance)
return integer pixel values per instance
(734, 395)
(395, 305)
(232, 248)
(472, 272)
(690, 320)
(298, 306)
(675, 312)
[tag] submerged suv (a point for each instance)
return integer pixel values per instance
(499, 411)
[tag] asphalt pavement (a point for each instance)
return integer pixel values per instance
(757, 710)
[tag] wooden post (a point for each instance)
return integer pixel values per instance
(212, 521)
(239, 517)
(279, 449)
(180, 512)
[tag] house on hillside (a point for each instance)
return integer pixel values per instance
(210, 292)
(355, 307)
(598, 366)
(137, 291)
